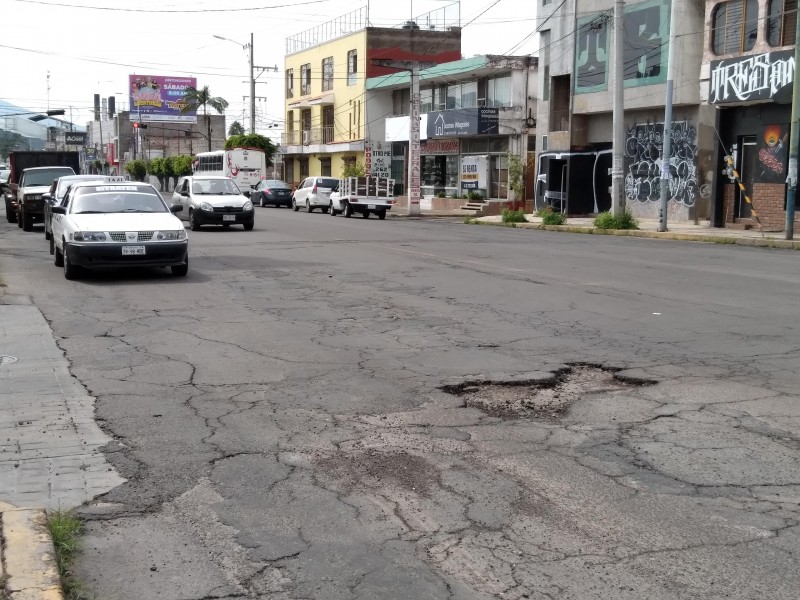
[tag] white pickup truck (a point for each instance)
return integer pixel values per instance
(365, 195)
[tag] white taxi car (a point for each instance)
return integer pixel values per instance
(104, 224)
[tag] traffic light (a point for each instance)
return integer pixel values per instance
(139, 125)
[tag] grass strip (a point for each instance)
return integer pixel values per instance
(65, 530)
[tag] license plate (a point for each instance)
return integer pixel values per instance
(132, 250)
(228, 217)
(371, 206)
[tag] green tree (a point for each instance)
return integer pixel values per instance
(137, 169)
(236, 128)
(353, 169)
(195, 98)
(253, 140)
(182, 165)
(155, 167)
(169, 171)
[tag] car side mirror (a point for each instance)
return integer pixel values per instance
(176, 208)
(59, 210)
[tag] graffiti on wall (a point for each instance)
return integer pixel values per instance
(643, 163)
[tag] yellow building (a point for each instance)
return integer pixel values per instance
(326, 69)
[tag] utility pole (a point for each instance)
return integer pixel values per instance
(666, 151)
(414, 67)
(252, 90)
(618, 162)
(794, 138)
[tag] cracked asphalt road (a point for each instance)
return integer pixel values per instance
(280, 420)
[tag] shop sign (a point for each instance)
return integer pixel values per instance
(473, 172)
(463, 121)
(378, 160)
(75, 138)
(752, 78)
(436, 146)
(90, 153)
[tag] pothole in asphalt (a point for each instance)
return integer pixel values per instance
(376, 468)
(548, 399)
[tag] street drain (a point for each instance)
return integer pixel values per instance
(547, 399)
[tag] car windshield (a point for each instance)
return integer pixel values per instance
(214, 187)
(4, 175)
(45, 176)
(116, 199)
(65, 182)
(275, 184)
(328, 183)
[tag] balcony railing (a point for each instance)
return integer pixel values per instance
(307, 137)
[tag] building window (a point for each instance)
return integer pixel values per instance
(559, 104)
(498, 176)
(781, 22)
(544, 56)
(546, 2)
(303, 167)
(462, 95)
(352, 67)
(426, 100)
(734, 26)
(327, 74)
(325, 166)
(498, 91)
(401, 102)
(305, 80)
(290, 83)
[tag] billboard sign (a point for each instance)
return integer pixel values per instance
(473, 172)
(160, 98)
(75, 138)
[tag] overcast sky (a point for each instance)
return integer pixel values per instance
(91, 46)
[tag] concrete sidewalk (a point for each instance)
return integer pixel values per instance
(50, 456)
(701, 232)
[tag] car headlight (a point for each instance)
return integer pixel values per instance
(89, 236)
(247, 206)
(171, 235)
(206, 207)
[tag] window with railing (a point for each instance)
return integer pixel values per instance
(352, 67)
(781, 22)
(290, 83)
(327, 74)
(734, 26)
(305, 80)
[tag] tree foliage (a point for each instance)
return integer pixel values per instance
(137, 169)
(353, 169)
(194, 98)
(236, 128)
(253, 140)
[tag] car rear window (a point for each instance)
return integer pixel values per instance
(277, 185)
(328, 183)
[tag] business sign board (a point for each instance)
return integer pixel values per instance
(473, 172)
(75, 138)
(463, 121)
(437, 146)
(90, 153)
(160, 98)
(378, 159)
(752, 78)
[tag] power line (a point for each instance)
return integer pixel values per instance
(181, 11)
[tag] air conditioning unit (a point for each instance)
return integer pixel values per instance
(306, 138)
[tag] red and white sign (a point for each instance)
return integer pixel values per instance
(439, 146)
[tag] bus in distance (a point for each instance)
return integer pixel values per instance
(246, 166)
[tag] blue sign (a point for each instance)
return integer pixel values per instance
(463, 121)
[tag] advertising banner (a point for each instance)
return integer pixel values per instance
(463, 121)
(378, 160)
(160, 98)
(473, 172)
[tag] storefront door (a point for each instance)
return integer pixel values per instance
(748, 163)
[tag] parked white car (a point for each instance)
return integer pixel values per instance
(314, 192)
(104, 224)
(213, 200)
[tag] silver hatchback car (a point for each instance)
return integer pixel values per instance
(314, 192)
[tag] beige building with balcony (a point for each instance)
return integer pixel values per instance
(326, 69)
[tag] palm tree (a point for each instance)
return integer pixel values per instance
(194, 98)
(236, 128)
